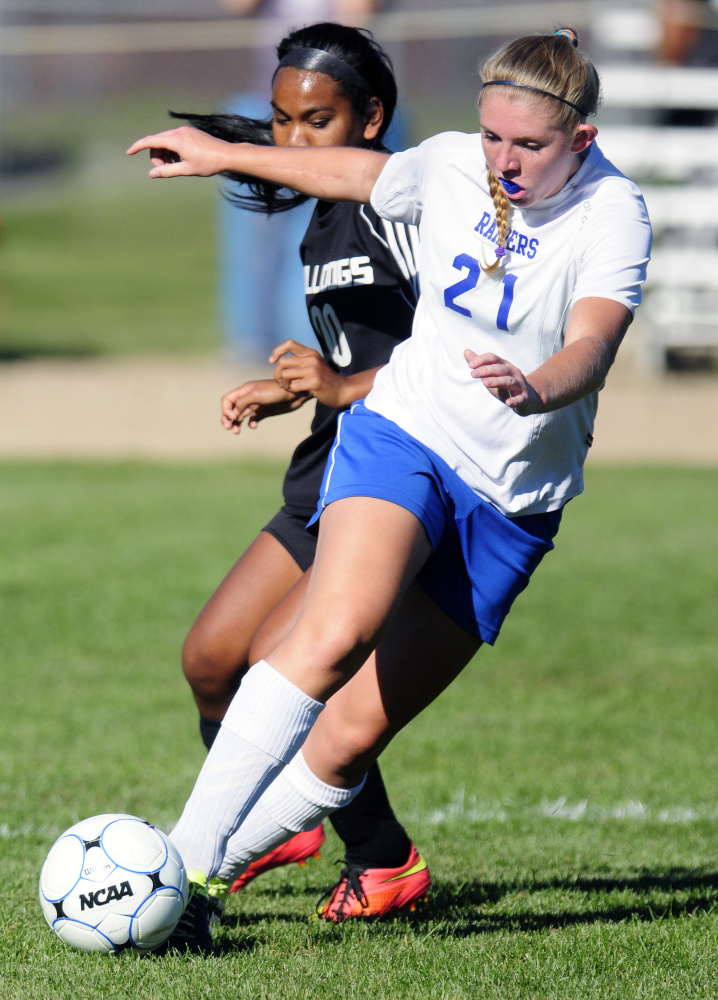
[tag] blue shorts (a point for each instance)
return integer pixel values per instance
(481, 560)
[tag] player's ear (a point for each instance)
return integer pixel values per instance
(374, 119)
(585, 134)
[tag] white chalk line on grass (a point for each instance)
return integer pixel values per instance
(463, 808)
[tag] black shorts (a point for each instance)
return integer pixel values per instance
(290, 530)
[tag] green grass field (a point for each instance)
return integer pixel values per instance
(563, 790)
(94, 257)
(112, 270)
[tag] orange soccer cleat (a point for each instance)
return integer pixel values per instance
(377, 892)
(298, 850)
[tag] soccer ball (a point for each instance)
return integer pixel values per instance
(113, 882)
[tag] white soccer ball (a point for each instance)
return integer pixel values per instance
(113, 882)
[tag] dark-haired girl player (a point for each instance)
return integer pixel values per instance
(445, 487)
(333, 86)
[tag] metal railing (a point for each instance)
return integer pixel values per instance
(246, 33)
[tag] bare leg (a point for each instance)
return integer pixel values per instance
(372, 835)
(420, 655)
(216, 651)
(369, 551)
(280, 621)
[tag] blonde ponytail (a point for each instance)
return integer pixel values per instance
(502, 208)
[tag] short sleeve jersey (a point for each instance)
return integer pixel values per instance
(592, 238)
(360, 276)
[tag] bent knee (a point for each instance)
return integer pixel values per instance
(353, 740)
(212, 671)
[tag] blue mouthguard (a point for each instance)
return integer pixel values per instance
(509, 185)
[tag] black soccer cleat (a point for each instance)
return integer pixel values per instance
(192, 934)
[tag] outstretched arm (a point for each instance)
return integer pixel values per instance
(594, 332)
(333, 173)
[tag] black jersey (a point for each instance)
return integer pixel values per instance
(360, 277)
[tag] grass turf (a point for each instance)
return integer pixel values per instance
(111, 270)
(562, 790)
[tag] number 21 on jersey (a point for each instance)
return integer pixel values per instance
(471, 265)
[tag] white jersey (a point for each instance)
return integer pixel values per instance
(593, 238)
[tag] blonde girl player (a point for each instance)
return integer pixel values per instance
(445, 487)
(333, 85)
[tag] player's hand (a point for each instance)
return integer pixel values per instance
(254, 401)
(505, 381)
(301, 369)
(183, 152)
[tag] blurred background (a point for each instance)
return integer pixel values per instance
(121, 311)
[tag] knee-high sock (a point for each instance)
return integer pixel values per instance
(295, 801)
(208, 730)
(265, 725)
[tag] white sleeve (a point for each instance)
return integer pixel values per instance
(617, 248)
(398, 194)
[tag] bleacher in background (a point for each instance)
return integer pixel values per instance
(677, 168)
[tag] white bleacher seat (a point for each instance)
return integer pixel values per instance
(656, 87)
(677, 168)
(661, 152)
(681, 206)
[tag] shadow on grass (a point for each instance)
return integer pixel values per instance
(35, 352)
(464, 909)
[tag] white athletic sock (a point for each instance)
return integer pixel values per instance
(265, 725)
(295, 801)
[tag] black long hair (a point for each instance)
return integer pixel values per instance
(354, 46)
